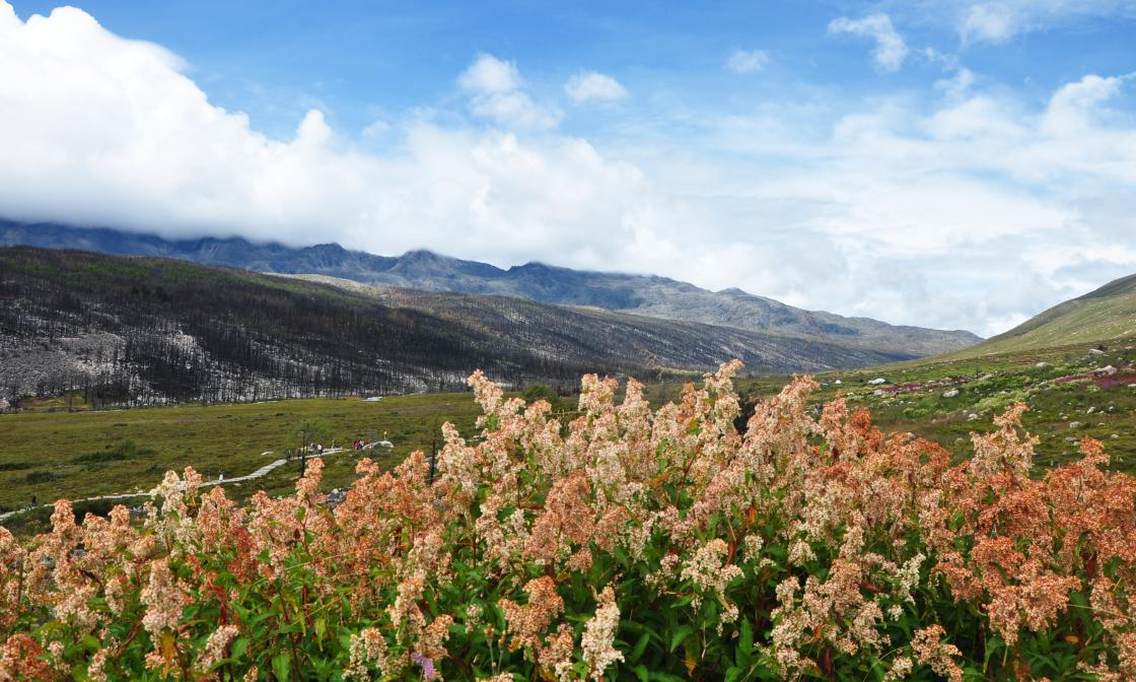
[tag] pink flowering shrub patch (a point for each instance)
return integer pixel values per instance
(631, 543)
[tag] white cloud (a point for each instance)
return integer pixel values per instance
(376, 128)
(747, 61)
(989, 22)
(488, 75)
(495, 89)
(590, 86)
(967, 210)
(890, 50)
(958, 84)
(999, 21)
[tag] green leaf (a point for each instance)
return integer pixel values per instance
(641, 672)
(282, 667)
(744, 653)
(239, 648)
(680, 635)
(639, 648)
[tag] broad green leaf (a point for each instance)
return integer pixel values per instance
(680, 636)
(282, 667)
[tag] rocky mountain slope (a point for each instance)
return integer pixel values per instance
(141, 329)
(652, 296)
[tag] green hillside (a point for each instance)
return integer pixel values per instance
(1103, 315)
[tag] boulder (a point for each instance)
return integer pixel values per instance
(952, 393)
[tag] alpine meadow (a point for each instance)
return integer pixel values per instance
(568, 342)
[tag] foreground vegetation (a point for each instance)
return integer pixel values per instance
(626, 544)
(46, 453)
(1075, 390)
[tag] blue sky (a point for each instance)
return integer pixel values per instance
(947, 163)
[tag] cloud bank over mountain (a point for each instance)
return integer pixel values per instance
(907, 206)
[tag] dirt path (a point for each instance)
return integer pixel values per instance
(259, 473)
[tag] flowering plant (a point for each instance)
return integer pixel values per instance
(627, 543)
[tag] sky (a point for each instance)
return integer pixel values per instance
(954, 164)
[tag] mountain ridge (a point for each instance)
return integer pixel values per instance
(141, 329)
(647, 295)
(1102, 315)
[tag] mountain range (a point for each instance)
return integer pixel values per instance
(642, 295)
(143, 330)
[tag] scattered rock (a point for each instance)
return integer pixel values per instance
(877, 392)
(953, 393)
(877, 381)
(971, 417)
(838, 382)
(1091, 410)
(1075, 425)
(1115, 436)
(1105, 371)
(1096, 351)
(1041, 365)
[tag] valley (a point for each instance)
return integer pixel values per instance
(129, 332)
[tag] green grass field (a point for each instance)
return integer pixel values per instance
(52, 454)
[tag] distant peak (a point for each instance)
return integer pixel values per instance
(329, 246)
(421, 254)
(534, 265)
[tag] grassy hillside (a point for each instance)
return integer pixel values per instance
(1103, 315)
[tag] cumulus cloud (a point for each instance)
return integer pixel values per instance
(968, 208)
(989, 22)
(495, 89)
(747, 61)
(590, 86)
(890, 50)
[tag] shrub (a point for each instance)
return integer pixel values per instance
(625, 544)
